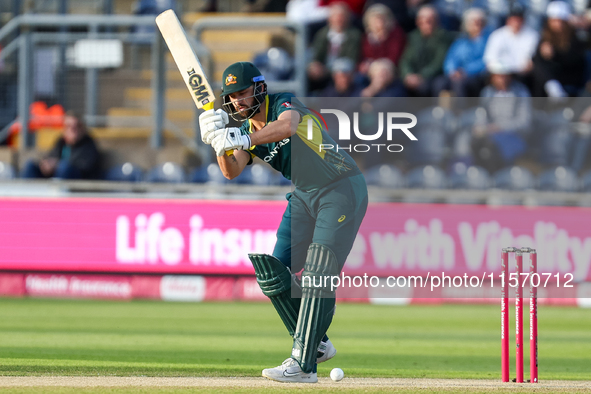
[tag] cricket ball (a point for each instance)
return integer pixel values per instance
(337, 374)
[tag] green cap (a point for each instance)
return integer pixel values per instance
(239, 76)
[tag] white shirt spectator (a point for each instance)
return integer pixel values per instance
(306, 11)
(514, 51)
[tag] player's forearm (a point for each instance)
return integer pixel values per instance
(229, 166)
(273, 132)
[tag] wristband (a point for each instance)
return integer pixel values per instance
(246, 144)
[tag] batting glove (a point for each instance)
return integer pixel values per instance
(231, 139)
(212, 123)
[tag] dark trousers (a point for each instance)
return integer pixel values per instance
(496, 151)
(469, 86)
(330, 216)
(64, 170)
(423, 90)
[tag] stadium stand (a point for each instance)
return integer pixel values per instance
(514, 178)
(385, 175)
(126, 172)
(464, 177)
(426, 177)
(166, 173)
(126, 106)
(209, 173)
(559, 179)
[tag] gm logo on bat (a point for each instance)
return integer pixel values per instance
(196, 83)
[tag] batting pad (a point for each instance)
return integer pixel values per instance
(318, 304)
(275, 281)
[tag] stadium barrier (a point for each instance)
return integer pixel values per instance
(198, 288)
(197, 250)
(197, 237)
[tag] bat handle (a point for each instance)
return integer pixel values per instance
(208, 106)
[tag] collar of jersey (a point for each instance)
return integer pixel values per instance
(266, 114)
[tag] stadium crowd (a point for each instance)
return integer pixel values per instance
(517, 73)
(546, 53)
(515, 67)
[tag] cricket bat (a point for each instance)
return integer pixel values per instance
(185, 59)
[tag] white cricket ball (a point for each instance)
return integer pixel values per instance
(337, 374)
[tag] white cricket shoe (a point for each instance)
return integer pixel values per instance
(291, 372)
(326, 351)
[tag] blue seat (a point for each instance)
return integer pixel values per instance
(426, 177)
(209, 173)
(385, 175)
(437, 116)
(262, 175)
(431, 146)
(470, 117)
(199, 175)
(275, 64)
(127, 172)
(557, 139)
(514, 178)
(468, 177)
(257, 174)
(166, 173)
(245, 176)
(6, 170)
(283, 181)
(559, 179)
(586, 182)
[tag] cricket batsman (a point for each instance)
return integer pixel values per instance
(322, 217)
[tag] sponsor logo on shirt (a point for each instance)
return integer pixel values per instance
(272, 153)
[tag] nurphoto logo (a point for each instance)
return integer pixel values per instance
(392, 120)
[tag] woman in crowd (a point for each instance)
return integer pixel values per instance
(383, 37)
(559, 62)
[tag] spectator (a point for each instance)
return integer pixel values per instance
(306, 11)
(143, 33)
(383, 37)
(400, 11)
(464, 64)
(264, 6)
(423, 57)
(355, 6)
(499, 141)
(512, 45)
(343, 80)
(334, 41)
(74, 155)
(152, 7)
(559, 62)
(383, 82)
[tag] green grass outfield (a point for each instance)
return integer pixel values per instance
(89, 338)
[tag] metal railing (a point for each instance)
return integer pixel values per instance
(105, 27)
(26, 40)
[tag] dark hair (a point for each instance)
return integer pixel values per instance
(81, 123)
(561, 41)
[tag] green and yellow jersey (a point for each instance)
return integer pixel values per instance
(299, 157)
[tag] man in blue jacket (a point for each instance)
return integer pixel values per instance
(464, 66)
